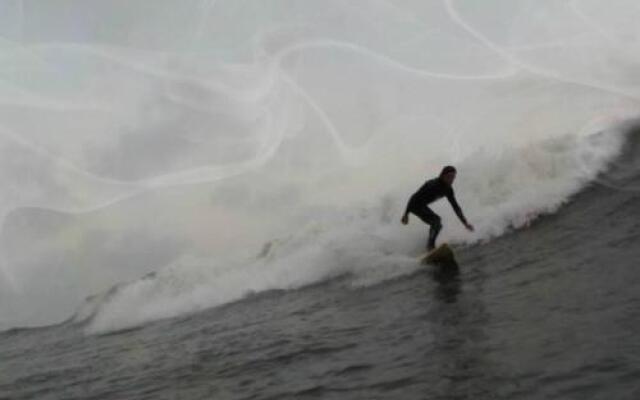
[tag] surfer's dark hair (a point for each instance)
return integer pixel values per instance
(447, 169)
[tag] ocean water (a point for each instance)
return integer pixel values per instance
(201, 199)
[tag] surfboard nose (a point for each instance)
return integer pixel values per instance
(441, 255)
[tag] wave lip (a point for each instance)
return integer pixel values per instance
(509, 189)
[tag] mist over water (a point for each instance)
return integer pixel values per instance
(154, 150)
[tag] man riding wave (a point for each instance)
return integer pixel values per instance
(431, 191)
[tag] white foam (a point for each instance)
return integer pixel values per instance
(498, 192)
(313, 256)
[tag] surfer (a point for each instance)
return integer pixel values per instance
(431, 191)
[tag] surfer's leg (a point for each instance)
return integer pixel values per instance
(436, 226)
(429, 217)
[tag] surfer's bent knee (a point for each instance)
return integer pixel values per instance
(437, 222)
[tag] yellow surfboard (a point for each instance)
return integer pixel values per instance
(441, 255)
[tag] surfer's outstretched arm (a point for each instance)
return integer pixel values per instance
(456, 207)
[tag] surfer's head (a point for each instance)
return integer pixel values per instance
(448, 174)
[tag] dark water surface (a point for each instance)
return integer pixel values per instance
(551, 311)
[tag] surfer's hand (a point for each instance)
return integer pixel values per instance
(405, 219)
(469, 227)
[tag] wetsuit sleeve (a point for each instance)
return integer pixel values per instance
(456, 207)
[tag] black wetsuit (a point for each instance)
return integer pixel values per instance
(431, 191)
